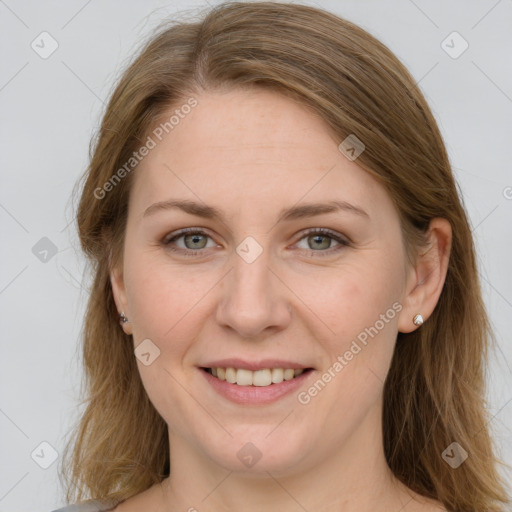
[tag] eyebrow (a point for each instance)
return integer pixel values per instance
(295, 212)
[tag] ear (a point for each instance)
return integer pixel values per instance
(119, 292)
(426, 279)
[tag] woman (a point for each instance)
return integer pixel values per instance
(285, 312)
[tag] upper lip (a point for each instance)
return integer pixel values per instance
(254, 365)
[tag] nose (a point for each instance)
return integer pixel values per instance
(254, 299)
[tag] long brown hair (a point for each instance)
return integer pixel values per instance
(434, 393)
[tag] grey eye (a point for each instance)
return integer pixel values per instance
(319, 241)
(195, 241)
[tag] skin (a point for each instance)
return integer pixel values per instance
(251, 153)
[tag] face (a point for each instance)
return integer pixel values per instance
(262, 280)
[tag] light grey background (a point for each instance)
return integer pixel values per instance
(51, 107)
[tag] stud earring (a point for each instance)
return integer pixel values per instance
(122, 318)
(417, 320)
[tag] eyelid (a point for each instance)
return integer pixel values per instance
(184, 231)
(175, 235)
(326, 231)
(342, 240)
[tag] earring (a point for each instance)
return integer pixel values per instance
(122, 318)
(417, 320)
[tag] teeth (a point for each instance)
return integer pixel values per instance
(244, 377)
(277, 375)
(261, 378)
(288, 374)
(231, 375)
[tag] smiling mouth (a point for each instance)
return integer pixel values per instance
(261, 378)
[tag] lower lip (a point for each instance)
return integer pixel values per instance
(255, 395)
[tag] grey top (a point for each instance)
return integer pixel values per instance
(88, 506)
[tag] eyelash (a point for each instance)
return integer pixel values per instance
(317, 231)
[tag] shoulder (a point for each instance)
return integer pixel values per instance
(88, 506)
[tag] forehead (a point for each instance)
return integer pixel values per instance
(250, 146)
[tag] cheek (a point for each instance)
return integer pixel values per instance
(361, 309)
(357, 299)
(165, 306)
(350, 387)
(163, 298)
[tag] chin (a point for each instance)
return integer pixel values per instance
(256, 452)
